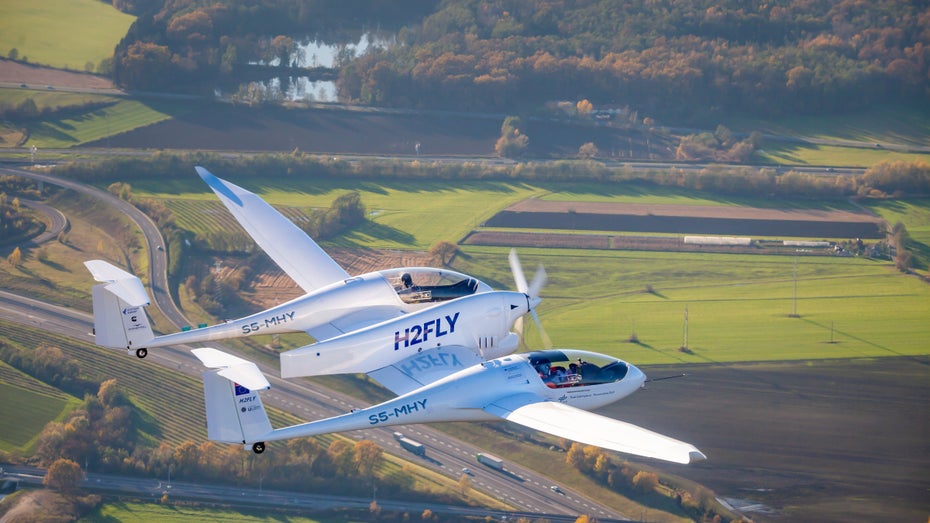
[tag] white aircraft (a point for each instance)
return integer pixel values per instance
(550, 391)
(354, 320)
(437, 341)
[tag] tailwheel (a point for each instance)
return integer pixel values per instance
(141, 353)
(258, 447)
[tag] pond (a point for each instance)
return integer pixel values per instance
(309, 53)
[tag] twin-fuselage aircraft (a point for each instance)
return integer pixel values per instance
(441, 340)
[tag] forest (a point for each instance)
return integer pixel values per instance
(683, 59)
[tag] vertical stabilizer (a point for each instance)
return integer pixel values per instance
(119, 316)
(116, 323)
(235, 413)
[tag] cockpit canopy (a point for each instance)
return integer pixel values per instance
(573, 368)
(417, 285)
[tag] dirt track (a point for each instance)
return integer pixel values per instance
(688, 219)
(39, 77)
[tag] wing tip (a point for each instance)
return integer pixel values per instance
(218, 185)
(695, 456)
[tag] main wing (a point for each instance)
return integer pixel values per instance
(586, 427)
(295, 252)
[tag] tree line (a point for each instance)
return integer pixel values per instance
(698, 502)
(676, 59)
(664, 58)
(887, 179)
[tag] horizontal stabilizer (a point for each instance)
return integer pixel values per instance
(126, 286)
(593, 429)
(233, 368)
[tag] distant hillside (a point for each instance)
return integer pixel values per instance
(665, 57)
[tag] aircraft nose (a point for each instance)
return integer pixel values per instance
(635, 375)
(533, 301)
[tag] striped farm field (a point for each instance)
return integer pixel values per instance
(157, 391)
(27, 406)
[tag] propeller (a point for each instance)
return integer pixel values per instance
(531, 291)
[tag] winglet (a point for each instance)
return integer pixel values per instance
(696, 455)
(217, 185)
(283, 241)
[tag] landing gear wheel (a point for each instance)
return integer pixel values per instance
(142, 352)
(258, 447)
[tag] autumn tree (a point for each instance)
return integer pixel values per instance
(64, 475)
(584, 107)
(464, 484)
(512, 142)
(15, 258)
(587, 151)
(367, 457)
(444, 251)
(645, 482)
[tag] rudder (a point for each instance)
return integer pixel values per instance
(119, 316)
(235, 413)
(117, 324)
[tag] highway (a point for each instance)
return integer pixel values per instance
(521, 488)
(259, 497)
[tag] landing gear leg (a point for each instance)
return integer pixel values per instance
(258, 447)
(141, 353)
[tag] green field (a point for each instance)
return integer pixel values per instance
(738, 307)
(80, 125)
(915, 215)
(27, 406)
(403, 215)
(882, 125)
(786, 154)
(65, 34)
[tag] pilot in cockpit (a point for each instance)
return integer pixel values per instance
(407, 280)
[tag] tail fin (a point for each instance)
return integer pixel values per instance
(119, 316)
(235, 413)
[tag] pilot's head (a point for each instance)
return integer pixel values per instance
(406, 279)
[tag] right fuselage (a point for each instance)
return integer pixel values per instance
(343, 306)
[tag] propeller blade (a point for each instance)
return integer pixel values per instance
(539, 280)
(517, 271)
(531, 291)
(547, 343)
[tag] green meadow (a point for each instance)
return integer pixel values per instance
(801, 154)
(915, 215)
(403, 215)
(76, 123)
(28, 404)
(736, 307)
(65, 34)
(881, 125)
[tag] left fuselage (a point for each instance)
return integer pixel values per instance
(464, 395)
